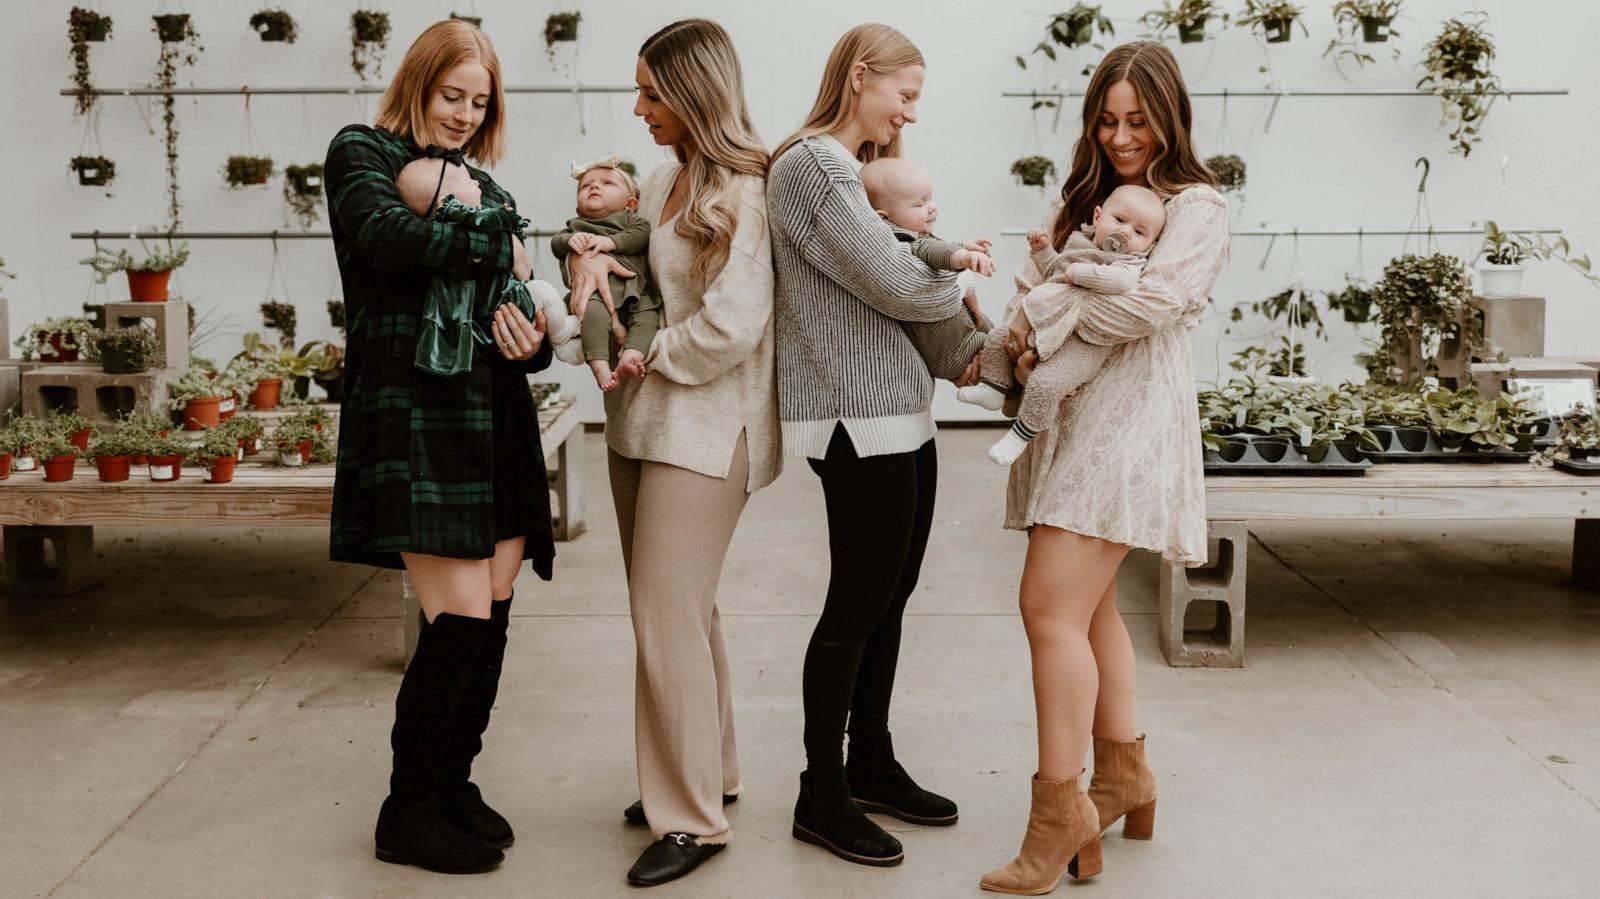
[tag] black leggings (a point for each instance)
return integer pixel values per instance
(880, 510)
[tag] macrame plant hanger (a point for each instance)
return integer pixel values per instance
(278, 271)
(1295, 321)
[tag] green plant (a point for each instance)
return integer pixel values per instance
(1457, 71)
(369, 38)
(244, 171)
(1189, 17)
(180, 45)
(214, 443)
(93, 170)
(67, 422)
(291, 431)
(324, 359)
(1579, 435)
(1370, 18)
(1071, 29)
(109, 262)
(1515, 248)
(83, 27)
(1421, 301)
(561, 26)
(193, 384)
(275, 25)
(1229, 170)
(19, 436)
(1274, 18)
(1287, 361)
(1353, 301)
(120, 441)
(302, 190)
(52, 445)
(70, 332)
(245, 427)
(156, 447)
(137, 345)
(7, 276)
(336, 315)
(279, 317)
(1034, 171)
(1290, 304)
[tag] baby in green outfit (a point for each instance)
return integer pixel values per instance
(608, 222)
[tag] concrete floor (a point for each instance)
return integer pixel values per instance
(1420, 717)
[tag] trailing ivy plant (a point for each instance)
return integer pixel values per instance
(83, 27)
(1457, 70)
(1514, 248)
(1285, 305)
(1072, 29)
(369, 38)
(180, 45)
(97, 171)
(244, 171)
(1189, 17)
(302, 190)
(1421, 302)
(1275, 19)
(1229, 169)
(1034, 171)
(1372, 19)
(279, 317)
(275, 25)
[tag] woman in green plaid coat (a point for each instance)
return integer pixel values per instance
(441, 476)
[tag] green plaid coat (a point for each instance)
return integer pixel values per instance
(424, 461)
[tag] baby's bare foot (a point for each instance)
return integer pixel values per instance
(602, 373)
(630, 365)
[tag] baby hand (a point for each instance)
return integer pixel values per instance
(979, 245)
(972, 260)
(1038, 239)
(580, 242)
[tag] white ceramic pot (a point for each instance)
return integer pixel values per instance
(1500, 280)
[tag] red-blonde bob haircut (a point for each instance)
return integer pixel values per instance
(442, 47)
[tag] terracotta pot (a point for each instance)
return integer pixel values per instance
(80, 439)
(220, 469)
(55, 352)
(250, 445)
(5, 466)
(265, 395)
(201, 413)
(165, 468)
(113, 468)
(148, 287)
(305, 451)
(60, 468)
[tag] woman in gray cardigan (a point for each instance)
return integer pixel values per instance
(854, 398)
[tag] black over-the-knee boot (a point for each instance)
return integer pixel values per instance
(460, 801)
(410, 830)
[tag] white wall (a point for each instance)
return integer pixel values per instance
(1326, 162)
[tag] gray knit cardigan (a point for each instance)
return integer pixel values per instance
(847, 290)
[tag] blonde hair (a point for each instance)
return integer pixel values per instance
(440, 48)
(1164, 99)
(696, 71)
(883, 50)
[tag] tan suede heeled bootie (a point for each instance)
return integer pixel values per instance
(1062, 838)
(1123, 785)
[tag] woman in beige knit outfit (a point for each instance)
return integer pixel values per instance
(1119, 468)
(696, 435)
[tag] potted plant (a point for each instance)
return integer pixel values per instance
(1354, 302)
(57, 456)
(1457, 69)
(268, 385)
(217, 452)
(1422, 303)
(1189, 17)
(324, 362)
(164, 456)
(1371, 19)
(561, 26)
(1503, 254)
(93, 171)
(180, 45)
(84, 27)
(56, 340)
(16, 444)
(142, 426)
(72, 427)
(246, 431)
(1033, 171)
(247, 171)
(1580, 436)
(302, 190)
(278, 317)
(149, 278)
(124, 351)
(1072, 29)
(114, 452)
(294, 439)
(369, 38)
(1275, 19)
(335, 313)
(198, 399)
(1229, 170)
(275, 25)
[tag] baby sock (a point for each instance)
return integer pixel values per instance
(1006, 450)
(982, 394)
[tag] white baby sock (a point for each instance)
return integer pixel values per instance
(1007, 449)
(986, 395)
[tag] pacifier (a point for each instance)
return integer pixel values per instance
(1116, 240)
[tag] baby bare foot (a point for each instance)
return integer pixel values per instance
(630, 364)
(602, 373)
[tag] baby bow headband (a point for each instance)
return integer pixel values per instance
(604, 162)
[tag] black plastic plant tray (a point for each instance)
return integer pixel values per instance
(1257, 460)
(1586, 468)
(1421, 446)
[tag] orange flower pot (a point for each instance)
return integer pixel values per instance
(220, 469)
(80, 439)
(265, 394)
(56, 353)
(165, 468)
(114, 468)
(5, 466)
(202, 412)
(60, 468)
(148, 287)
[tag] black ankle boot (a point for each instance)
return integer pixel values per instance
(410, 830)
(825, 816)
(460, 802)
(879, 784)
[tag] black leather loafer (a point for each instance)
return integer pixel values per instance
(634, 814)
(669, 858)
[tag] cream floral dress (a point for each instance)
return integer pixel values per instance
(1122, 461)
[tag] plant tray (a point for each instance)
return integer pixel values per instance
(1430, 450)
(1586, 468)
(1258, 460)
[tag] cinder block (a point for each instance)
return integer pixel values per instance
(64, 567)
(83, 387)
(171, 321)
(1222, 582)
(10, 391)
(1513, 325)
(1490, 376)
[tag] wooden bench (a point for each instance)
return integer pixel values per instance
(1389, 492)
(64, 515)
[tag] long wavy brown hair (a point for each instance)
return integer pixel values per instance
(1164, 99)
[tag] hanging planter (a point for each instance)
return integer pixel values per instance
(1371, 19)
(180, 45)
(282, 318)
(84, 27)
(1275, 19)
(1229, 169)
(93, 171)
(88, 25)
(302, 190)
(474, 21)
(1457, 69)
(247, 171)
(561, 26)
(1189, 17)
(1354, 302)
(1034, 171)
(174, 28)
(369, 38)
(275, 25)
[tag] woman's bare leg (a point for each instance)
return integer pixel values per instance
(458, 586)
(1113, 656)
(1064, 580)
(505, 565)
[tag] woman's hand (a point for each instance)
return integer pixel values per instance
(518, 338)
(521, 268)
(1025, 364)
(587, 272)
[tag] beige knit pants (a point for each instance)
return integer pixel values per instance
(675, 527)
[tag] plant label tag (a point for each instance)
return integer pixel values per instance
(1383, 29)
(239, 454)
(24, 463)
(1305, 435)
(161, 472)
(226, 405)
(290, 459)
(1238, 418)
